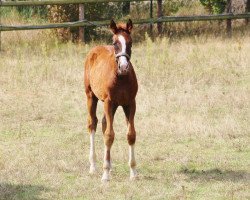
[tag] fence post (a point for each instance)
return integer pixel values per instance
(247, 10)
(151, 16)
(0, 24)
(159, 14)
(81, 29)
(229, 21)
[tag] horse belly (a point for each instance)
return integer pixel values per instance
(99, 82)
(118, 95)
(98, 89)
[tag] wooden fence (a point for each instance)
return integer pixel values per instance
(59, 2)
(84, 22)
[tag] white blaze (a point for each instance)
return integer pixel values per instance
(122, 59)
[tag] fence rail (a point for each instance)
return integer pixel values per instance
(58, 2)
(85, 23)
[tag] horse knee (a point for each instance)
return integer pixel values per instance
(92, 123)
(104, 124)
(131, 137)
(104, 120)
(109, 138)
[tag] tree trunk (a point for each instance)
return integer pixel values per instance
(126, 8)
(151, 16)
(159, 14)
(229, 21)
(247, 10)
(81, 17)
(0, 24)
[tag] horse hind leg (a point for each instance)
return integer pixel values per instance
(131, 137)
(104, 124)
(104, 121)
(92, 124)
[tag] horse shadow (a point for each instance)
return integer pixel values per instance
(216, 174)
(20, 191)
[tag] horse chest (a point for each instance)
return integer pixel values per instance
(122, 92)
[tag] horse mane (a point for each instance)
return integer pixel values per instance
(122, 27)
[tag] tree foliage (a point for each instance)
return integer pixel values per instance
(92, 12)
(214, 6)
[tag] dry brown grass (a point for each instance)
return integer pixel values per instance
(192, 122)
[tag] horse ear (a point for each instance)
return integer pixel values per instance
(129, 25)
(113, 26)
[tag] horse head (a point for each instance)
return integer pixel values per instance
(122, 43)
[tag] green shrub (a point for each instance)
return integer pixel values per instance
(92, 12)
(30, 11)
(171, 7)
(214, 6)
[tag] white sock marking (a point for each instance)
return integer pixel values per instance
(131, 154)
(92, 155)
(133, 172)
(106, 166)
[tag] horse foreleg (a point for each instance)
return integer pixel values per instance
(109, 110)
(131, 137)
(104, 123)
(92, 123)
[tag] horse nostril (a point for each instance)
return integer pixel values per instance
(124, 67)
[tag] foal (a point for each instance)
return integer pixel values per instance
(109, 76)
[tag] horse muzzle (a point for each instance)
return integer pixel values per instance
(123, 63)
(123, 70)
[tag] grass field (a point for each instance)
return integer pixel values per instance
(192, 121)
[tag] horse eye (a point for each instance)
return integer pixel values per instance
(116, 46)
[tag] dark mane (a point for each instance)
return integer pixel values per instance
(121, 27)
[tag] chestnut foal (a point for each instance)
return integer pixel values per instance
(109, 76)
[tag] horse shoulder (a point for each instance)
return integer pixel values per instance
(100, 71)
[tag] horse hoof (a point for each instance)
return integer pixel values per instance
(92, 170)
(105, 177)
(133, 174)
(105, 180)
(133, 178)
